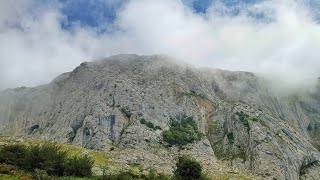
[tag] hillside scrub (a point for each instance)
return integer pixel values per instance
(182, 131)
(188, 169)
(48, 157)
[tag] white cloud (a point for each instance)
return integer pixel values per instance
(34, 48)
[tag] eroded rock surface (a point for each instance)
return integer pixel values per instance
(99, 105)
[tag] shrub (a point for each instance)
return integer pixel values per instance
(126, 112)
(143, 121)
(244, 119)
(42, 175)
(152, 175)
(79, 166)
(45, 160)
(188, 169)
(6, 169)
(13, 154)
(149, 124)
(182, 132)
(48, 156)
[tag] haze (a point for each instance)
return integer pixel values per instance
(278, 39)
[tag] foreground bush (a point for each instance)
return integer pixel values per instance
(182, 132)
(188, 169)
(79, 166)
(47, 158)
(14, 155)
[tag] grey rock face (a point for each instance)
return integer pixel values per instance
(99, 105)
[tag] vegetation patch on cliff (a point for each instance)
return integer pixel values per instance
(244, 119)
(150, 124)
(182, 132)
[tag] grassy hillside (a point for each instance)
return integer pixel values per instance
(104, 163)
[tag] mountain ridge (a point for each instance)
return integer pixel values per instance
(99, 104)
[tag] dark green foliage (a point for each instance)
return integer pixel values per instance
(79, 166)
(149, 124)
(13, 154)
(230, 137)
(42, 175)
(188, 169)
(47, 158)
(182, 132)
(6, 169)
(143, 121)
(244, 119)
(126, 112)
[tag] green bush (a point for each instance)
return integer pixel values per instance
(188, 169)
(79, 166)
(143, 121)
(182, 132)
(7, 169)
(126, 112)
(14, 154)
(149, 124)
(244, 120)
(42, 175)
(47, 158)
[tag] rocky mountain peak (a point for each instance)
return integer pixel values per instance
(101, 104)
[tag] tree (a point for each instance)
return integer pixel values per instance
(188, 169)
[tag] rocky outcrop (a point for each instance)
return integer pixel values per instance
(99, 105)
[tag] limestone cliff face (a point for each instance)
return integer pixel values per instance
(99, 105)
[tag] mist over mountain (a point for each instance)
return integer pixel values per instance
(246, 125)
(234, 84)
(42, 39)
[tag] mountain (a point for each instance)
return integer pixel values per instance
(245, 123)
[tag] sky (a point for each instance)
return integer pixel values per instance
(279, 39)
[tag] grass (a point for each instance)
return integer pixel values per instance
(104, 159)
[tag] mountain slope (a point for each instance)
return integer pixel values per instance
(99, 104)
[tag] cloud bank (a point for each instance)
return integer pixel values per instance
(276, 38)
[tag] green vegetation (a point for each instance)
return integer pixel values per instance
(188, 169)
(182, 132)
(230, 137)
(79, 166)
(149, 124)
(126, 112)
(47, 157)
(129, 175)
(244, 120)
